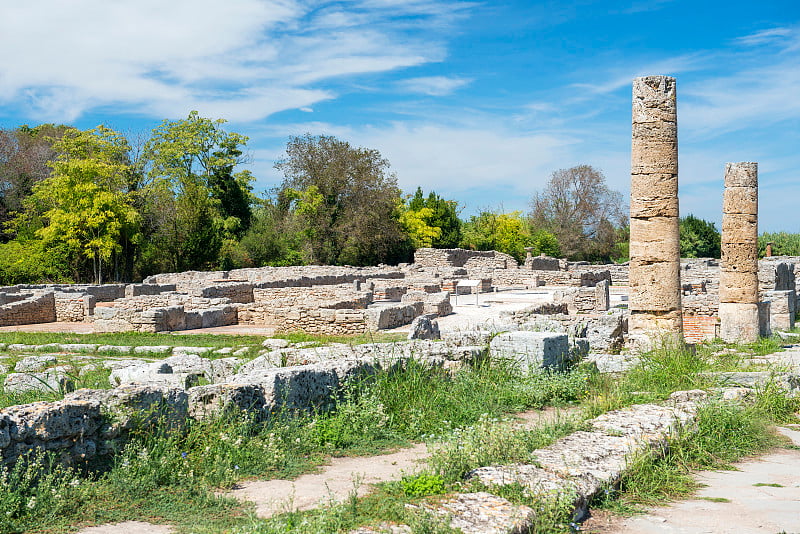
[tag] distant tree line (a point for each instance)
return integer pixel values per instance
(92, 205)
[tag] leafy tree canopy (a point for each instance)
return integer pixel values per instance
(699, 238)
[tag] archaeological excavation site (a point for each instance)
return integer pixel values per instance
(125, 361)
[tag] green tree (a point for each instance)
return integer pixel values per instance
(193, 200)
(419, 227)
(25, 156)
(581, 211)
(443, 215)
(783, 244)
(503, 232)
(83, 203)
(699, 238)
(357, 220)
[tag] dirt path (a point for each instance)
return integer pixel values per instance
(336, 481)
(761, 496)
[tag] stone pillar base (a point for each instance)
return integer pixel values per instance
(648, 331)
(739, 322)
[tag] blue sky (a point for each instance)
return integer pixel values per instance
(479, 101)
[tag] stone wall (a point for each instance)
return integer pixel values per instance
(73, 307)
(135, 290)
(294, 276)
(234, 291)
(432, 303)
(32, 310)
(331, 296)
(459, 257)
(163, 319)
(9, 297)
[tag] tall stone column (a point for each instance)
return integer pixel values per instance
(655, 285)
(738, 280)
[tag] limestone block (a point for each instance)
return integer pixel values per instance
(654, 286)
(484, 513)
(764, 327)
(56, 379)
(740, 256)
(531, 350)
(35, 363)
(135, 406)
(49, 421)
(602, 296)
(742, 174)
(424, 327)
(738, 287)
(743, 200)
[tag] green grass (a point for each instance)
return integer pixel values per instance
(184, 339)
(169, 475)
(94, 379)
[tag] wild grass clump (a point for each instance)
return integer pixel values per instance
(491, 441)
(93, 379)
(37, 489)
(423, 400)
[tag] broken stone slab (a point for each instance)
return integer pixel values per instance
(580, 465)
(122, 349)
(223, 368)
(79, 347)
(755, 379)
(133, 406)
(537, 482)
(20, 347)
(275, 343)
(152, 349)
(54, 380)
(613, 363)
(468, 337)
(156, 374)
(49, 347)
(267, 391)
(119, 364)
(177, 351)
(483, 513)
(383, 528)
(32, 364)
(424, 327)
(531, 350)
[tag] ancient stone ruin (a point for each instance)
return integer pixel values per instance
(655, 299)
(738, 292)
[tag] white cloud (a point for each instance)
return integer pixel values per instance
(433, 85)
(779, 35)
(160, 57)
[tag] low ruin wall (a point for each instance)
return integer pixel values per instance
(32, 310)
(163, 319)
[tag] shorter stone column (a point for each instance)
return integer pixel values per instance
(738, 287)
